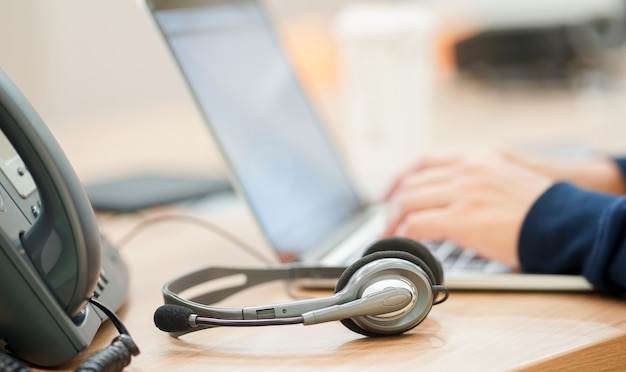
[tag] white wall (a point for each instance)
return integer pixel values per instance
(79, 58)
(101, 79)
(76, 58)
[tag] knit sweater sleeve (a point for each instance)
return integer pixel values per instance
(569, 230)
(621, 164)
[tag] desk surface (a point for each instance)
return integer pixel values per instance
(471, 331)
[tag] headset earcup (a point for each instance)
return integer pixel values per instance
(347, 274)
(412, 247)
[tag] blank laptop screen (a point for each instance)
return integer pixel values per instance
(270, 136)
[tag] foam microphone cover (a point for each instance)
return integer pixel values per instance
(172, 318)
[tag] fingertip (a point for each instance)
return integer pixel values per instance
(397, 181)
(437, 160)
(431, 224)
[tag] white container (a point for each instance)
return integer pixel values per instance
(386, 57)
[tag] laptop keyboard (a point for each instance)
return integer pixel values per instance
(454, 258)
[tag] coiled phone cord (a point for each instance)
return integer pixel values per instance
(117, 355)
(10, 364)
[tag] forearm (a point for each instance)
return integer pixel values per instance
(569, 230)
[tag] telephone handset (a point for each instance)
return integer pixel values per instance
(52, 257)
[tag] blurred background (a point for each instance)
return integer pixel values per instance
(545, 74)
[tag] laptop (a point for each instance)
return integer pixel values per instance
(279, 157)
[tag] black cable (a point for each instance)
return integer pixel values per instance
(118, 354)
(117, 322)
(439, 289)
(149, 221)
(198, 222)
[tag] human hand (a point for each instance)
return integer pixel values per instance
(477, 201)
(598, 173)
(595, 173)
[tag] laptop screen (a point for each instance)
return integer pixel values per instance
(260, 117)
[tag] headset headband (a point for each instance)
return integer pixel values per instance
(172, 290)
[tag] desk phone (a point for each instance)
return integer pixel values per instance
(52, 257)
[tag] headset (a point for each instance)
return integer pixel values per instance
(388, 291)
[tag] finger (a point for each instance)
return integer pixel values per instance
(415, 200)
(395, 184)
(427, 178)
(432, 224)
(425, 162)
(418, 179)
(438, 160)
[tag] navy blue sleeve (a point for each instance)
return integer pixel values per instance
(621, 163)
(569, 230)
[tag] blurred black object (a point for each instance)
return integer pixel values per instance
(549, 54)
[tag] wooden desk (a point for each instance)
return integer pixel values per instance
(471, 331)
